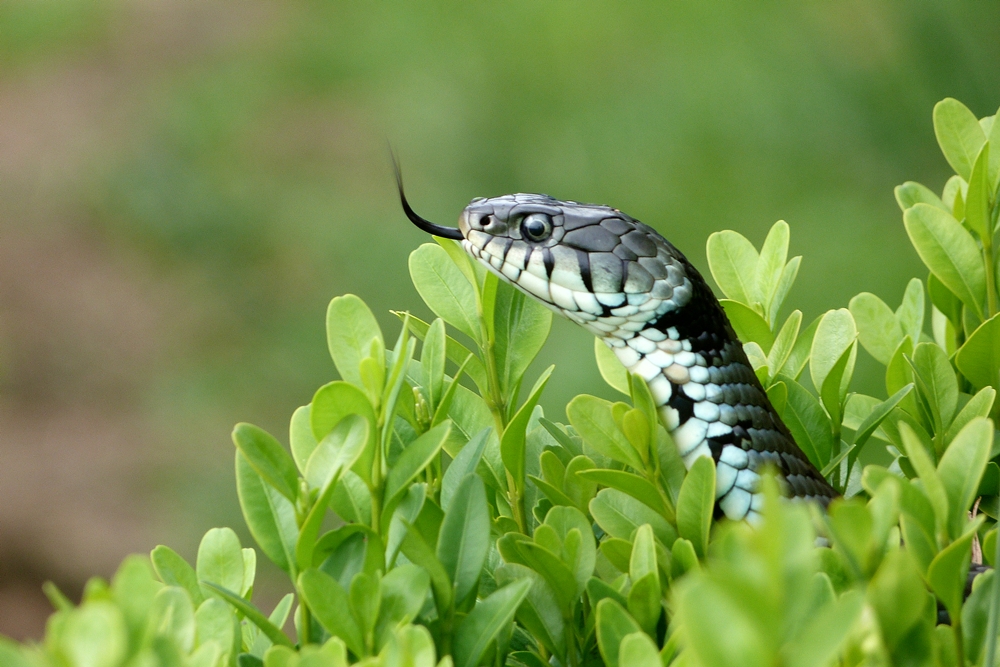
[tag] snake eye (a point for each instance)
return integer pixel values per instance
(536, 227)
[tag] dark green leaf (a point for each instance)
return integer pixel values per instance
(252, 614)
(485, 622)
(268, 458)
(695, 504)
(631, 484)
(269, 516)
(612, 626)
(513, 439)
(962, 467)
(464, 539)
(331, 605)
(593, 420)
(619, 515)
(979, 358)
(807, 421)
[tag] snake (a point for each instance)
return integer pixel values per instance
(625, 283)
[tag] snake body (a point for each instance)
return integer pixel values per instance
(630, 287)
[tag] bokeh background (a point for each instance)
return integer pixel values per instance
(184, 184)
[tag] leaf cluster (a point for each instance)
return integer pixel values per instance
(427, 512)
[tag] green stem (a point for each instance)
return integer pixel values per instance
(306, 622)
(991, 281)
(994, 617)
(956, 628)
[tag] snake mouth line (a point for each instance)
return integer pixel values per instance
(422, 223)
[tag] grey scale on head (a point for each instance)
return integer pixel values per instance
(626, 284)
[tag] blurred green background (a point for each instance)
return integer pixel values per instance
(185, 184)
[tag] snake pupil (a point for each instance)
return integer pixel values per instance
(536, 227)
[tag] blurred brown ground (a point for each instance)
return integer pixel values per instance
(85, 321)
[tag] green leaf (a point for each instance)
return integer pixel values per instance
(703, 607)
(464, 538)
(445, 289)
(214, 622)
(948, 573)
(823, 634)
(878, 329)
(334, 456)
(962, 467)
(331, 604)
(936, 380)
(897, 595)
(979, 405)
(350, 330)
(463, 464)
(977, 202)
(733, 262)
(611, 369)
(334, 401)
(94, 636)
(220, 559)
(252, 614)
(910, 313)
(784, 342)
(300, 437)
(911, 193)
(808, 423)
(874, 419)
(788, 276)
(269, 516)
(953, 196)
(593, 420)
(404, 590)
(475, 633)
(631, 484)
(949, 251)
(619, 515)
(268, 458)
(695, 504)
(432, 363)
(420, 553)
(959, 135)
(521, 326)
(933, 485)
(644, 601)
(512, 442)
(173, 570)
(834, 389)
(979, 358)
(834, 335)
(613, 624)
(799, 356)
(365, 595)
(455, 351)
(750, 326)
(638, 650)
(417, 456)
(337, 451)
(942, 298)
(773, 255)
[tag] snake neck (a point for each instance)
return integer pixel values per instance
(710, 400)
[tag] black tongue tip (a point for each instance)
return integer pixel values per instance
(426, 225)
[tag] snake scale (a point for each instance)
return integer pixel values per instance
(622, 281)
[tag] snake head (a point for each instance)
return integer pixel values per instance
(591, 263)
